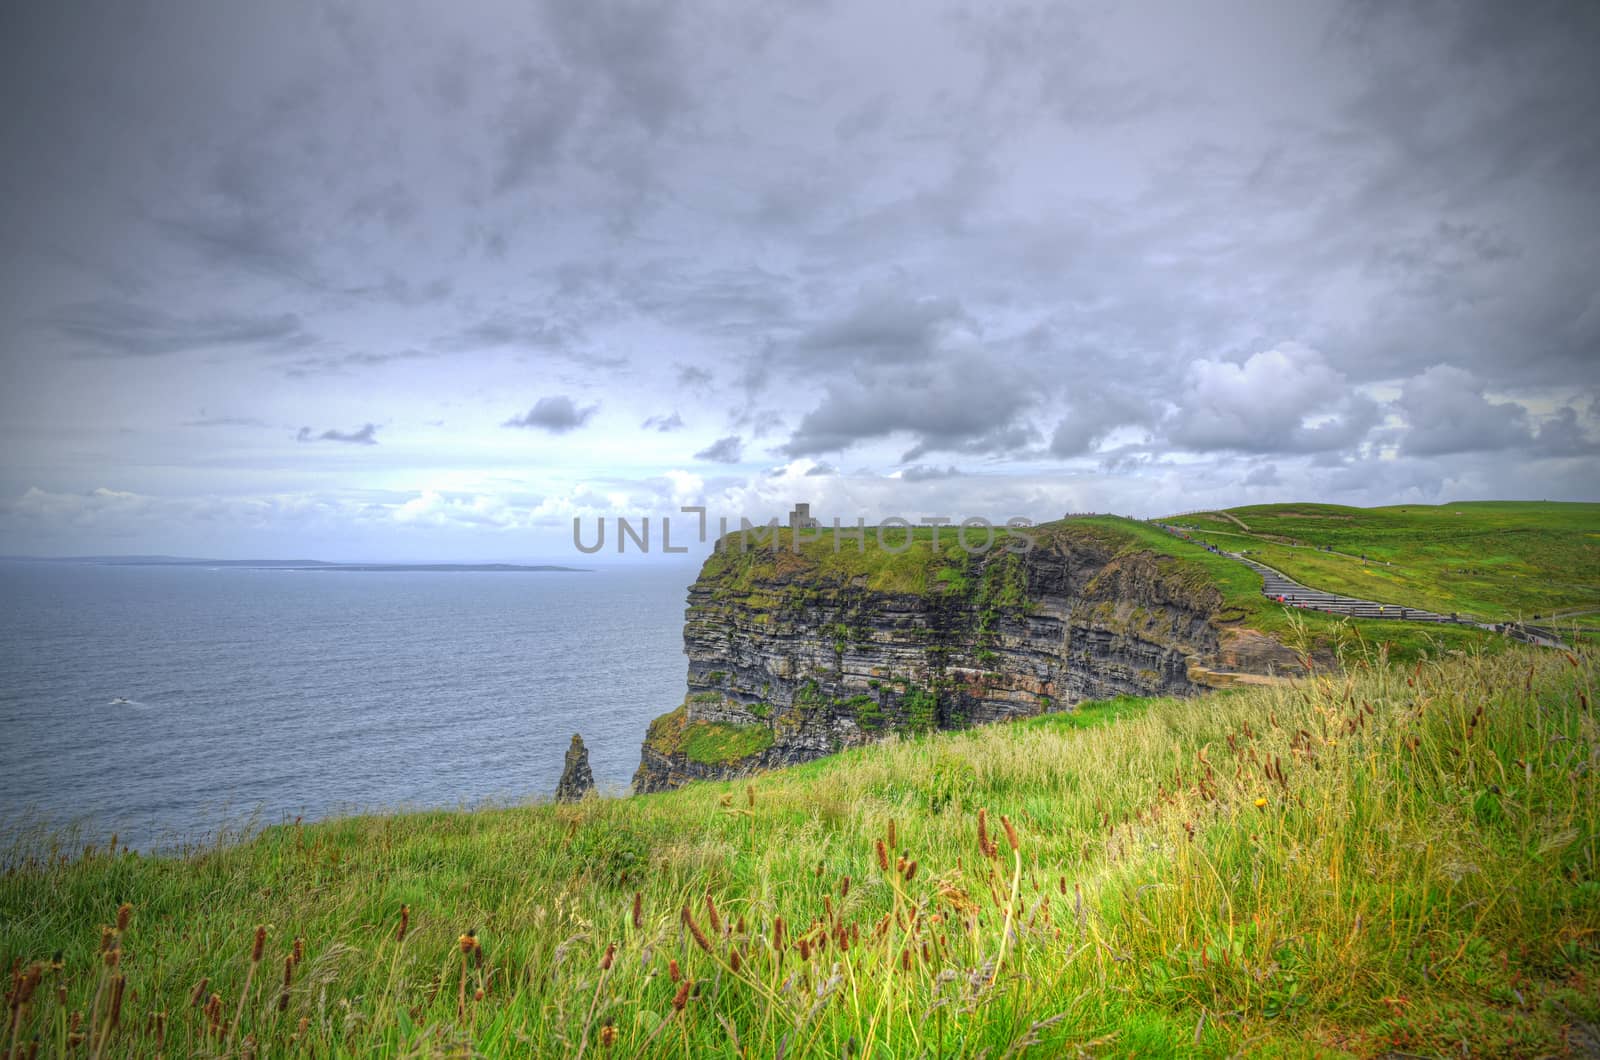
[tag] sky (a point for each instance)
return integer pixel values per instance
(415, 281)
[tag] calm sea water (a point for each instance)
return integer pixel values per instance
(262, 695)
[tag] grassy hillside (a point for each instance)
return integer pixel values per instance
(1309, 631)
(1498, 560)
(1397, 859)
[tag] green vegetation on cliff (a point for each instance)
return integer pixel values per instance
(705, 742)
(1498, 560)
(916, 560)
(1397, 860)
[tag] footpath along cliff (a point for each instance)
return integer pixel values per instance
(793, 656)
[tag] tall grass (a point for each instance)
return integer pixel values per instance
(1387, 860)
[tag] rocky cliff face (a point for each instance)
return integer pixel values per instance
(795, 656)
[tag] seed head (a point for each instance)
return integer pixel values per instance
(638, 910)
(673, 971)
(985, 846)
(694, 929)
(608, 1035)
(711, 915)
(883, 856)
(1011, 832)
(124, 914)
(610, 955)
(681, 998)
(260, 944)
(405, 922)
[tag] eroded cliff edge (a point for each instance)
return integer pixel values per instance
(793, 656)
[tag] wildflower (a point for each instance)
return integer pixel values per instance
(1261, 803)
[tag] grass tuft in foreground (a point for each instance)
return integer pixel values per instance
(1391, 861)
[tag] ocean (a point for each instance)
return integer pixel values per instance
(255, 696)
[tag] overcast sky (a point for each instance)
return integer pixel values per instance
(398, 280)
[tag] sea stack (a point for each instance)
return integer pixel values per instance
(576, 778)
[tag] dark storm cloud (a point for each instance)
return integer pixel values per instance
(1109, 254)
(693, 377)
(244, 240)
(894, 365)
(632, 50)
(1448, 413)
(924, 473)
(366, 435)
(943, 411)
(883, 327)
(1563, 436)
(1263, 405)
(1262, 475)
(558, 415)
(663, 424)
(507, 328)
(535, 126)
(125, 329)
(729, 450)
(226, 421)
(343, 363)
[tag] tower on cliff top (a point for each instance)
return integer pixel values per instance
(800, 518)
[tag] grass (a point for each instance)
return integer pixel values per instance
(1390, 860)
(706, 742)
(1497, 560)
(712, 743)
(1308, 631)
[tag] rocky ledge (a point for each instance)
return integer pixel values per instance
(796, 655)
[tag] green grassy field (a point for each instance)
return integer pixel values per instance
(1308, 631)
(1391, 861)
(1497, 560)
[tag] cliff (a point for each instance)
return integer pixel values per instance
(793, 656)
